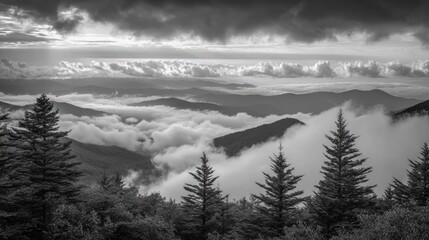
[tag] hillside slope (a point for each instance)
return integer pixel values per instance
(419, 109)
(96, 159)
(235, 142)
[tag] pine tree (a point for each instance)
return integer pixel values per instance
(203, 201)
(417, 188)
(400, 192)
(341, 193)
(49, 162)
(12, 182)
(279, 199)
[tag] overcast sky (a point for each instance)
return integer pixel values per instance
(336, 29)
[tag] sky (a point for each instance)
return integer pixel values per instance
(214, 29)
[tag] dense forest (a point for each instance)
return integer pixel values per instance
(42, 197)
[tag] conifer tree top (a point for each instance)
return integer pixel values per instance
(279, 197)
(416, 190)
(343, 189)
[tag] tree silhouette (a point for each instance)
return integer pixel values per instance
(203, 200)
(49, 162)
(341, 194)
(12, 185)
(279, 198)
(417, 188)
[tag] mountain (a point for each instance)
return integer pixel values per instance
(141, 86)
(167, 83)
(34, 86)
(419, 109)
(120, 91)
(96, 159)
(67, 108)
(205, 91)
(196, 106)
(235, 142)
(64, 108)
(7, 107)
(315, 103)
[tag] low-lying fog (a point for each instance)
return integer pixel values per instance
(177, 138)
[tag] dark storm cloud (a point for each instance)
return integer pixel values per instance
(217, 20)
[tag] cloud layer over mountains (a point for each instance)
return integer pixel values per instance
(387, 145)
(219, 20)
(177, 68)
(177, 138)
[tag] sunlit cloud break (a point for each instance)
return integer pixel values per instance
(178, 68)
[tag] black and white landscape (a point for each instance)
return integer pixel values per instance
(219, 120)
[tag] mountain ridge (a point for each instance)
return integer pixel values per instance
(420, 109)
(234, 143)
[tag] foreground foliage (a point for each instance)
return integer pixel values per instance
(397, 223)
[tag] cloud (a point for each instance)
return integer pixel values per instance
(370, 69)
(178, 68)
(387, 145)
(21, 37)
(297, 20)
(289, 70)
(11, 69)
(421, 69)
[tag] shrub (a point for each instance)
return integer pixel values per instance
(398, 223)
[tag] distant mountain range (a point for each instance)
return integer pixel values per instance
(315, 103)
(419, 109)
(235, 142)
(205, 97)
(196, 106)
(110, 85)
(258, 105)
(95, 160)
(64, 108)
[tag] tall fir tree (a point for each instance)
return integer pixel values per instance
(12, 184)
(49, 163)
(417, 188)
(202, 202)
(341, 194)
(279, 198)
